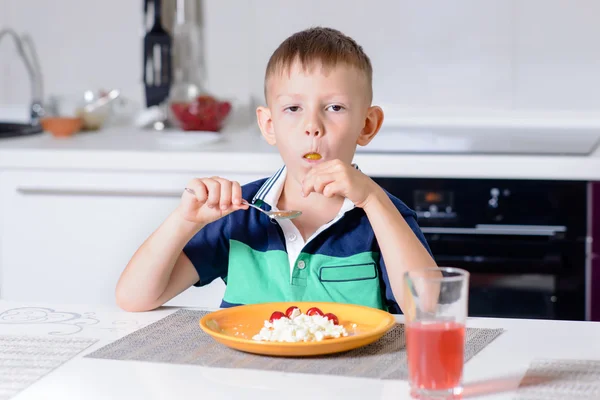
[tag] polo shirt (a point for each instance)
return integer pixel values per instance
(263, 260)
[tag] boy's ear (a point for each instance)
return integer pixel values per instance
(373, 123)
(265, 123)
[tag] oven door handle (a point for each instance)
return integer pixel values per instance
(503, 265)
(483, 229)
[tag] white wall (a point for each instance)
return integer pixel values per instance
(81, 44)
(482, 54)
(493, 54)
(557, 54)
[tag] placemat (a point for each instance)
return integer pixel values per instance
(554, 379)
(25, 359)
(179, 339)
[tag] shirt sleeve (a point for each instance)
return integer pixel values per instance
(208, 251)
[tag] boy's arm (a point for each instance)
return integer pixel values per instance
(159, 270)
(400, 247)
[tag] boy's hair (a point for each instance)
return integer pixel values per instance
(327, 46)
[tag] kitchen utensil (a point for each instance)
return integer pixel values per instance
(278, 214)
(157, 60)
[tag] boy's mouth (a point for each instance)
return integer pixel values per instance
(312, 156)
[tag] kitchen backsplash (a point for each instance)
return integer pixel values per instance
(469, 54)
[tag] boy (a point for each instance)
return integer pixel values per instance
(353, 241)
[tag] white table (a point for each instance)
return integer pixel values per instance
(491, 374)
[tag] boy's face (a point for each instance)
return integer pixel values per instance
(316, 115)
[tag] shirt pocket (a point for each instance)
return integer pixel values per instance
(352, 284)
(348, 273)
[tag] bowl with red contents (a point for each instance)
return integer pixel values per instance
(202, 113)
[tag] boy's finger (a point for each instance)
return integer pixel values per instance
(193, 198)
(308, 185)
(225, 200)
(322, 180)
(197, 190)
(328, 166)
(308, 175)
(333, 188)
(236, 207)
(236, 193)
(214, 192)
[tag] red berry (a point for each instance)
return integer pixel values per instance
(223, 109)
(289, 311)
(205, 99)
(332, 318)
(314, 311)
(276, 315)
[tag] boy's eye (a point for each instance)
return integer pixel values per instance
(292, 108)
(335, 107)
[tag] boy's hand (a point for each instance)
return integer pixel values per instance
(207, 199)
(336, 178)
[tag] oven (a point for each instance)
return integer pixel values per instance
(525, 242)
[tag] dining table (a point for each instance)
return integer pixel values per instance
(46, 353)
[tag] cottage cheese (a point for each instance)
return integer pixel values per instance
(300, 328)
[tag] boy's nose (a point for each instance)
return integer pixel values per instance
(314, 129)
(313, 132)
(313, 126)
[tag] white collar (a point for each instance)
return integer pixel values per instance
(270, 191)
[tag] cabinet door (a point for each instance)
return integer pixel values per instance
(65, 237)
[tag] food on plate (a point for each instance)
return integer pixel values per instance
(314, 311)
(332, 318)
(289, 311)
(294, 326)
(276, 315)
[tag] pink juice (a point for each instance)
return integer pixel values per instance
(435, 354)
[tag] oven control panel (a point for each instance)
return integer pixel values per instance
(467, 203)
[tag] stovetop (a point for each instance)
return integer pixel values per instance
(486, 140)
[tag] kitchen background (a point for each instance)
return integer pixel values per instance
(511, 87)
(491, 55)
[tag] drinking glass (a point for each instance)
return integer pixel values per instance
(436, 304)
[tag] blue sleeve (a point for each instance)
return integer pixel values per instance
(410, 218)
(208, 251)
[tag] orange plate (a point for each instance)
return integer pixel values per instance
(235, 327)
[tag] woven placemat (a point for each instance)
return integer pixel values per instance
(554, 379)
(178, 339)
(25, 359)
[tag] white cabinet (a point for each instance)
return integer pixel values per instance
(66, 236)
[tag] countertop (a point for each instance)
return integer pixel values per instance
(241, 148)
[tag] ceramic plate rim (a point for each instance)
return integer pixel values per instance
(389, 319)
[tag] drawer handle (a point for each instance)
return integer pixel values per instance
(522, 230)
(46, 191)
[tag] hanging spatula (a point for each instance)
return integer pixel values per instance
(157, 60)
